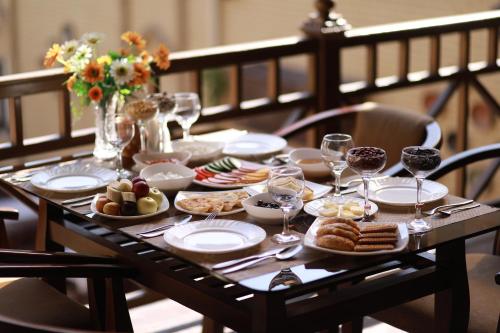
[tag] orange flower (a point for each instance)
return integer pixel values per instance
(145, 57)
(95, 94)
(135, 39)
(141, 74)
(71, 81)
(93, 72)
(161, 57)
(51, 55)
(124, 52)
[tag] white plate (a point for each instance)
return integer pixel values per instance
(253, 144)
(72, 178)
(163, 208)
(319, 190)
(216, 236)
(313, 207)
(402, 191)
(201, 151)
(232, 186)
(399, 246)
(186, 194)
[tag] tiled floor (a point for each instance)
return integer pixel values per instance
(167, 316)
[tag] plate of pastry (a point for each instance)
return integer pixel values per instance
(312, 190)
(345, 236)
(349, 208)
(204, 203)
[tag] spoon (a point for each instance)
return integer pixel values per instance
(286, 254)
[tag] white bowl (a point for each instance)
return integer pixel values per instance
(266, 215)
(168, 185)
(141, 159)
(314, 170)
(201, 151)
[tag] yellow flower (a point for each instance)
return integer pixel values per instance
(135, 39)
(71, 81)
(104, 60)
(52, 55)
(161, 57)
(145, 57)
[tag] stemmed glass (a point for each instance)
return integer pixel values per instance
(142, 110)
(186, 111)
(286, 186)
(420, 162)
(366, 161)
(119, 129)
(334, 148)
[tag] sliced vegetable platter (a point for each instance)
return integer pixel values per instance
(230, 172)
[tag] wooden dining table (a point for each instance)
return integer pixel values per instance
(313, 291)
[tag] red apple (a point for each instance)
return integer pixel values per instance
(138, 179)
(141, 189)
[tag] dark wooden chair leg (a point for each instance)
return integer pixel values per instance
(4, 242)
(211, 326)
(97, 301)
(117, 317)
(452, 305)
(354, 326)
(269, 313)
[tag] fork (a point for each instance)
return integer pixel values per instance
(439, 208)
(212, 215)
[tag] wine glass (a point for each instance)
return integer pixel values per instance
(186, 111)
(142, 110)
(366, 161)
(286, 186)
(334, 148)
(420, 161)
(119, 129)
(166, 105)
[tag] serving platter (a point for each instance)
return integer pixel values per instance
(165, 205)
(215, 236)
(402, 242)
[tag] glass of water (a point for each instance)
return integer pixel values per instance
(286, 186)
(119, 132)
(186, 111)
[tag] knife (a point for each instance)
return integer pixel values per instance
(237, 261)
(178, 220)
(69, 201)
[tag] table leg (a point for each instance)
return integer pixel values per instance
(211, 326)
(451, 307)
(269, 314)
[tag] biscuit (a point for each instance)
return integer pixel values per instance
(379, 227)
(378, 235)
(372, 247)
(341, 220)
(332, 230)
(377, 240)
(335, 242)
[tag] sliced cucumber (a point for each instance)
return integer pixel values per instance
(234, 162)
(213, 169)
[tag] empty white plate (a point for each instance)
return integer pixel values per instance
(253, 144)
(402, 191)
(216, 236)
(71, 178)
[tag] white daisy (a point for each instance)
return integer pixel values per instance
(122, 71)
(68, 49)
(92, 38)
(81, 57)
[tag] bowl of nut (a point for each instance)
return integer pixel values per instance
(263, 209)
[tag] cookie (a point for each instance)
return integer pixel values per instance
(372, 247)
(379, 227)
(335, 242)
(377, 240)
(330, 229)
(378, 235)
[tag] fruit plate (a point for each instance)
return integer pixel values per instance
(216, 236)
(189, 194)
(400, 245)
(163, 208)
(319, 190)
(314, 207)
(73, 178)
(402, 191)
(230, 173)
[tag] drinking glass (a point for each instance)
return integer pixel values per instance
(119, 129)
(420, 162)
(186, 111)
(366, 161)
(334, 148)
(141, 110)
(286, 186)
(166, 105)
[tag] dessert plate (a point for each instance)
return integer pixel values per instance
(163, 208)
(400, 245)
(190, 194)
(73, 178)
(319, 190)
(254, 145)
(314, 207)
(216, 236)
(402, 191)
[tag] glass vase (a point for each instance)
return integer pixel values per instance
(102, 149)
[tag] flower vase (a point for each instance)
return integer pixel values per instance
(103, 150)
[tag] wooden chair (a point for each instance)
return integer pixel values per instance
(30, 304)
(372, 124)
(418, 316)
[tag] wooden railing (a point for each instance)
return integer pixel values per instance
(326, 36)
